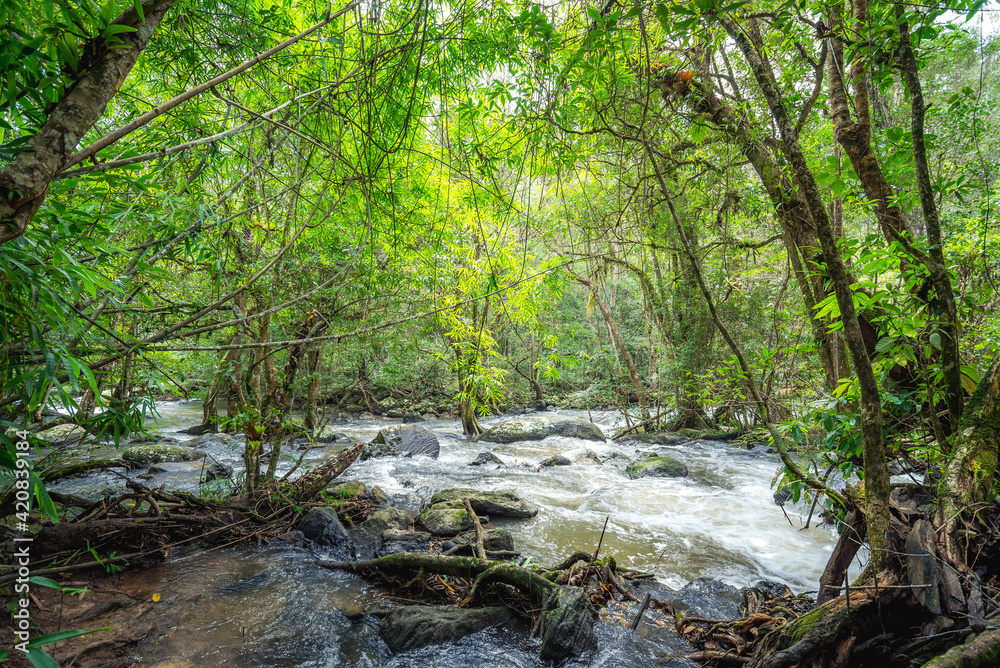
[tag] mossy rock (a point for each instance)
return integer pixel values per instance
(347, 490)
(495, 504)
(538, 426)
(660, 467)
(443, 521)
(144, 455)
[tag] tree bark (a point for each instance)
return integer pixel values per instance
(876, 470)
(25, 180)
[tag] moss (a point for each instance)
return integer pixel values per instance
(663, 467)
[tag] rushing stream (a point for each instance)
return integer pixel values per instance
(270, 606)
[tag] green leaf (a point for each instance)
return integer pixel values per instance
(40, 659)
(935, 340)
(885, 344)
(138, 9)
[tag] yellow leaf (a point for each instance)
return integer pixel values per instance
(156, 598)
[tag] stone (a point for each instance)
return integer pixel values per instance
(412, 626)
(322, 526)
(347, 490)
(496, 504)
(557, 460)
(377, 495)
(218, 471)
(144, 455)
(412, 418)
(538, 426)
(660, 467)
(485, 459)
(177, 467)
(710, 599)
(496, 540)
(368, 534)
(567, 625)
(442, 521)
(395, 541)
(405, 440)
(64, 434)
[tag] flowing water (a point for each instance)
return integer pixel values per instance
(270, 606)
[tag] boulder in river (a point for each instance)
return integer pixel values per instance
(441, 520)
(568, 625)
(496, 540)
(661, 467)
(495, 504)
(217, 471)
(556, 460)
(178, 467)
(405, 440)
(538, 426)
(395, 541)
(486, 459)
(411, 626)
(710, 599)
(64, 434)
(368, 535)
(322, 526)
(144, 455)
(347, 490)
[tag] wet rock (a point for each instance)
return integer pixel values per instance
(582, 456)
(659, 439)
(768, 589)
(710, 599)
(144, 455)
(218, 471)
(557, 460)
(497, 504)
(651, 644)
(247, 584)
(442, 521)
(210, 441)
(377, 495)
(412, 626)
(412, 418)
(568, 625)
(405, 440)
(496, 540)
(486, 458)
(347, 490)
(539, 406)
(395, 541)
(322, 526)
(367, 535)
(178, 467)
(660, 467)
(64, 434)
(538, 426)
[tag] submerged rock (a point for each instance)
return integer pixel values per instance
(710, 599)
(556, 460)
(322, 526)
(177, 467)
(405, 440)
(661, 467)
(542, 425)
(485, 459)
(144, 455)
(412, 626)
(497, 504)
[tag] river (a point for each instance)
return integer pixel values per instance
(270, 606)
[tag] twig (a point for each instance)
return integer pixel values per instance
(479, 549)
(642, 609)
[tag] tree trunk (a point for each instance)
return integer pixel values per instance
(25, 180)
(876, 470)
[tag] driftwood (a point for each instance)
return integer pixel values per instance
(145, 521)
